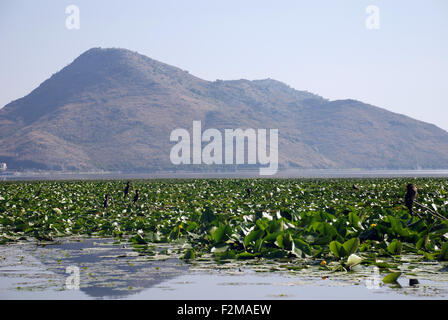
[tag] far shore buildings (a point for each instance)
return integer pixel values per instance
(2, 166)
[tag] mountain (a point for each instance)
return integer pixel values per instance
(114, 109)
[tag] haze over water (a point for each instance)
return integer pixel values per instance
(309, 173)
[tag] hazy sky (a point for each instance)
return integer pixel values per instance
(320, 46)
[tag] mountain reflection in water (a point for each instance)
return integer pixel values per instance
(106, 269)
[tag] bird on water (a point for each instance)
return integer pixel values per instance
(106, 201)
(126, 190)
(137, 195)
(409, 198)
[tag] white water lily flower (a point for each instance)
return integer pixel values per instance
(57, 210)
(140, 231)
(353, 260)
(266, 215)
(279, 216)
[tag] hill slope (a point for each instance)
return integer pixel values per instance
(114, 109)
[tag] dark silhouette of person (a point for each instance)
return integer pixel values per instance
(106, 201)
(126, 190)
(249, 191)
(409, 198)
(137, 195)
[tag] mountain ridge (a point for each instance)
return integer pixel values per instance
(113, 109)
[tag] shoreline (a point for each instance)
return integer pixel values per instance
(292, 174)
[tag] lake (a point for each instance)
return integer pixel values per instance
(311, 173)
(110, 270)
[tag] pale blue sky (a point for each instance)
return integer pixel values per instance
(319, 46)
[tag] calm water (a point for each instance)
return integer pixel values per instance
(324, 173)
(108, 270)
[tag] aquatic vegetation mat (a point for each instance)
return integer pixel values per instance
(330, 225)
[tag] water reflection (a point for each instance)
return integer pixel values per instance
(107, 270)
